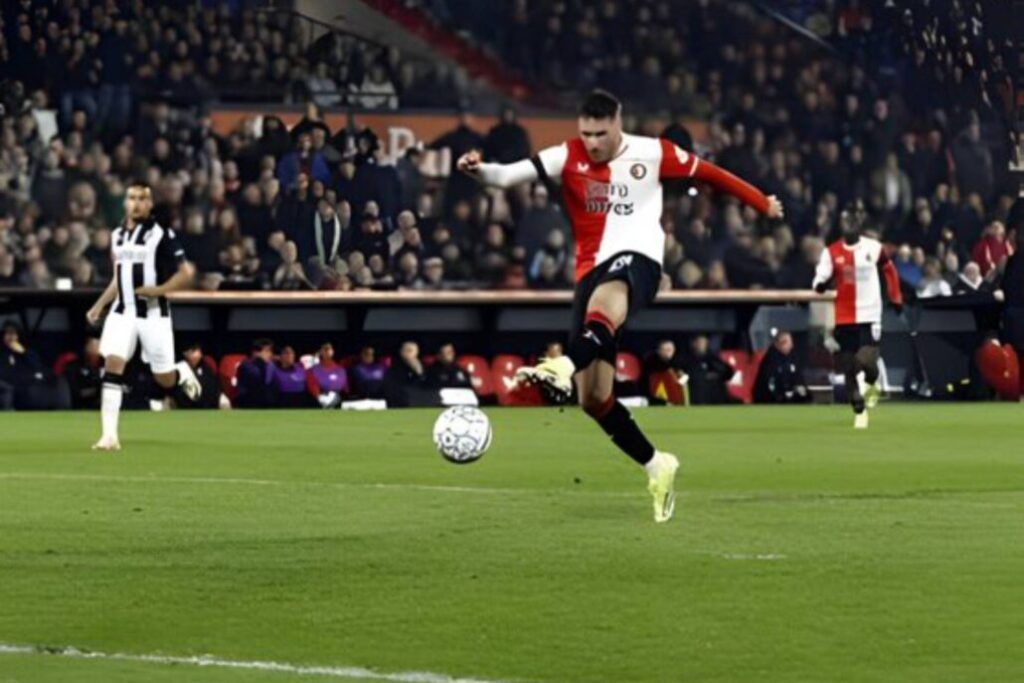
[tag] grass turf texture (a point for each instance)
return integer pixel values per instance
(801, 550)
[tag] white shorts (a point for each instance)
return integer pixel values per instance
(122, 333)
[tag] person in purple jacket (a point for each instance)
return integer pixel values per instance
(255, 377)
(290, 382)
(368, 375)
(327, 381)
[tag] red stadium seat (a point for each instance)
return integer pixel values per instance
(504, 368)
(211, 364)
(228, 373)
(479, 371)
(627, 367)
(665, 386)
(62, 362)
(741, 386)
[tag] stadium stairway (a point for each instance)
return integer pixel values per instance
(390, 22)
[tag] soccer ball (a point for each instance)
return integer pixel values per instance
(462, 434)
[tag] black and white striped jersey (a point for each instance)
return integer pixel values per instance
(146, 256)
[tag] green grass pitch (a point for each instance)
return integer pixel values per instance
(802, 551)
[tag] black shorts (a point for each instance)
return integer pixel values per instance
(641, 273)
(852, 338)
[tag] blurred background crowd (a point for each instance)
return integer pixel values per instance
(899, 107)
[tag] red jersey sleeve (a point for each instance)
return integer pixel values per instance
(678, 163)
(891, 277)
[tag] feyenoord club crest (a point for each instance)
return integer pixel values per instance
(638, 171)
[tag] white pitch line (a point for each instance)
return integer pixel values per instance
(346, 672)
(283, 482)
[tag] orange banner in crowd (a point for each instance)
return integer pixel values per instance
(398, 131)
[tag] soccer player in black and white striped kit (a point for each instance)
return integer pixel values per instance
(149, 263)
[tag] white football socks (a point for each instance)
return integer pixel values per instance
(110, 408)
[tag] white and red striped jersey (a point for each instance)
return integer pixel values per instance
(616, 206)
(857, 272)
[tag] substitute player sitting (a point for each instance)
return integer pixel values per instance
(149, 263)
(611, 190)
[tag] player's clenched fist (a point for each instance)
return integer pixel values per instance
(469, 162)
(775, 209)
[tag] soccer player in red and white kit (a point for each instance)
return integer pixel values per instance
(856, 264)
(612, 192)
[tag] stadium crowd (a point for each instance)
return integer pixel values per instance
(312, 207)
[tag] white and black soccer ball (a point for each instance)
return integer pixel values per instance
(462, 434)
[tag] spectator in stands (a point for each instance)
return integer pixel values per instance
(207, 376)
(551, 257)
(974, 170)
(992, 249)
(780, 377)
(970, 281)
(303, 159)
(907, 267)
(433, 273)
(84, 375)
(8, 273)
(322, 88)
(745, 269)
(290, 275)
(931, 283)
(663, 377)
(539, 220)
(289, 381)
(507, 141)
(376, 91)
(371, 239)
(458, 141)
(493, 257)
(709, 375)
(367, 375)
(327, 381)
(891, 195)
(408, 275)
(445, 373)
(254, 387)
(405, 383)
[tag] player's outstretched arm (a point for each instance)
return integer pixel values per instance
(678, 163)
(94, 314)
(497, 175)
(739, 188)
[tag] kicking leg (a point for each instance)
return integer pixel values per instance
(110, 403)
(596, 348)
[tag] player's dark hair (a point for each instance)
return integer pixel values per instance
(138, 182)
(261, 344)
(600, 104)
